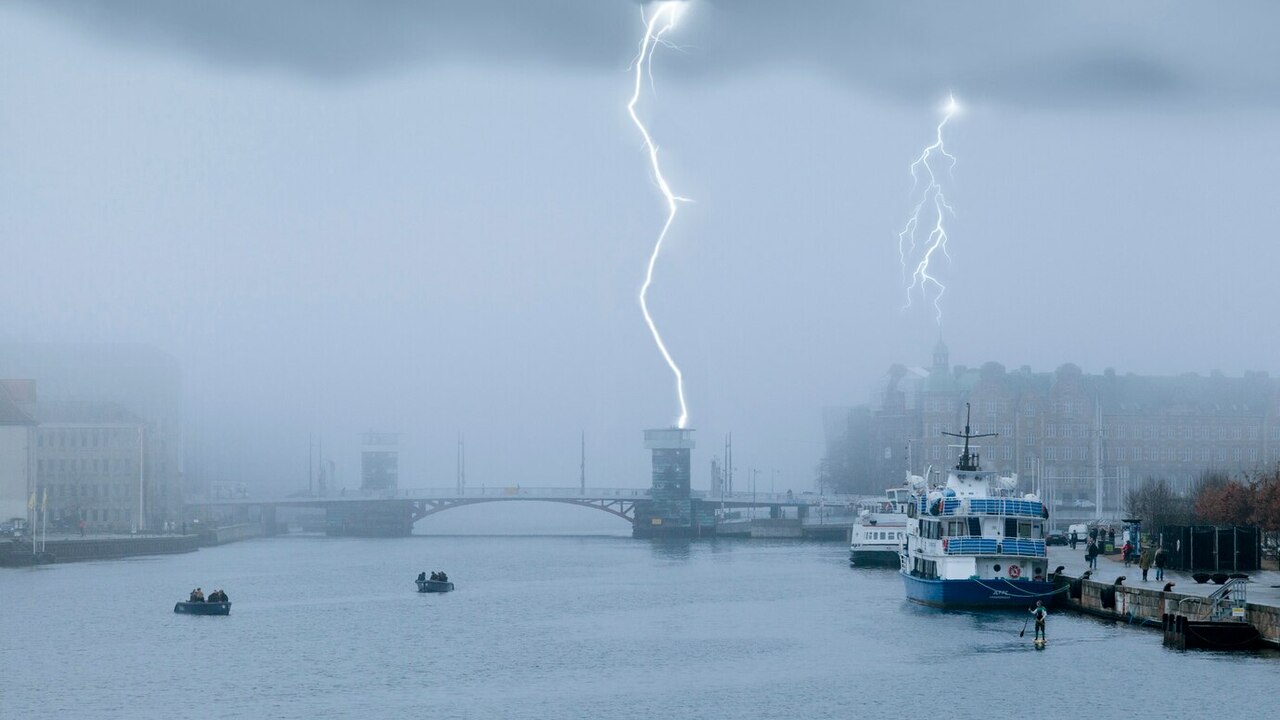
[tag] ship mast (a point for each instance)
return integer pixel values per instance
(968, 461)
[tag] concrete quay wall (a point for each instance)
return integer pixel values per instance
(100, 548)
(1145, 606)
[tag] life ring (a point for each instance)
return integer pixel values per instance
(1015, 571)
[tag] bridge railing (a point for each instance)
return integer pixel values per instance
(804, 498)
(509, 491)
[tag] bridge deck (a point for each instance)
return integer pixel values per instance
(518, 492)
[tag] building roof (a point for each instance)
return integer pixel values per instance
(85, 412)
(13, 398)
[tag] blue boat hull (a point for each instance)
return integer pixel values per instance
(989, 593)
(203, 608)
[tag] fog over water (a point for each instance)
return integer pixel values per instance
(436, 221)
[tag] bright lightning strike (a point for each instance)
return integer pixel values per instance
(931, 197)
(663, 19)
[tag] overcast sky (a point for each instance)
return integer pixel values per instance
(433, 218)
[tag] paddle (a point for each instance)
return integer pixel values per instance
(1024, 627)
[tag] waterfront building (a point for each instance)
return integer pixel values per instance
(16, 431)
(1082, 441)
(142, 380)
(90, 458)
(670, 509)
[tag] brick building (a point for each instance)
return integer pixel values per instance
(1080, 440)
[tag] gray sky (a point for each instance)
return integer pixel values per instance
(435, 218)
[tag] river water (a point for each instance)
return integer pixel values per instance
(565, 627)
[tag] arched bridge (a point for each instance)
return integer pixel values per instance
(615, 501)
(395, 512)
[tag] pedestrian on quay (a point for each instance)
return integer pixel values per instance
(1144, 561)
(1091, 554)
(1073, 540)
(1162, 556)
(1126, 553)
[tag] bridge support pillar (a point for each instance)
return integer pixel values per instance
(269, 520)
(775, 511)
(372, 518)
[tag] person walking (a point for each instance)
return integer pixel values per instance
(1126, 552)
(1144, 561)
(1091, 554)
(1162, 556)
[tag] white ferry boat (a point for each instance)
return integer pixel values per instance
(878, 531)
(973, 542)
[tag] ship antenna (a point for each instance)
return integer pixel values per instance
(968, 461)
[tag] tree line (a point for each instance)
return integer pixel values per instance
(1215, 499)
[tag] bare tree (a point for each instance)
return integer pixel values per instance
(1157, 505)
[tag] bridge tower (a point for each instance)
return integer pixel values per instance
(670, 510)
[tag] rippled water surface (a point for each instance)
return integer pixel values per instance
(545, 627)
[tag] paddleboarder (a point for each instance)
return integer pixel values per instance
(1039, 612)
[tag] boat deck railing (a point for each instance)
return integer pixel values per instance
(977, 545)
(1009, 507)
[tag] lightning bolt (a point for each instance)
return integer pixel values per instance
(932, 196)
(663, 19)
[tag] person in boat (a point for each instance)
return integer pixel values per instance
(435, 575)
(192, 596)
(197, 595)
(1040, 613)
(443, 577)
(422, 576)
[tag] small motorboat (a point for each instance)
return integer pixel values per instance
(202, 608)
(435, 586)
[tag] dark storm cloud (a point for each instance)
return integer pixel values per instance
(1069, 52)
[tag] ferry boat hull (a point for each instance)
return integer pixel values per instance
(874, 557)
(977, 593)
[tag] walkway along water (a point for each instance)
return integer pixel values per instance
(1144, 603)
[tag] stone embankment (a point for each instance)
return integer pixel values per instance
(109, 547)
(1142, 603)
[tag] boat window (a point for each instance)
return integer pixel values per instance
(975, 527)
(1011, 527)
(956, 528)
